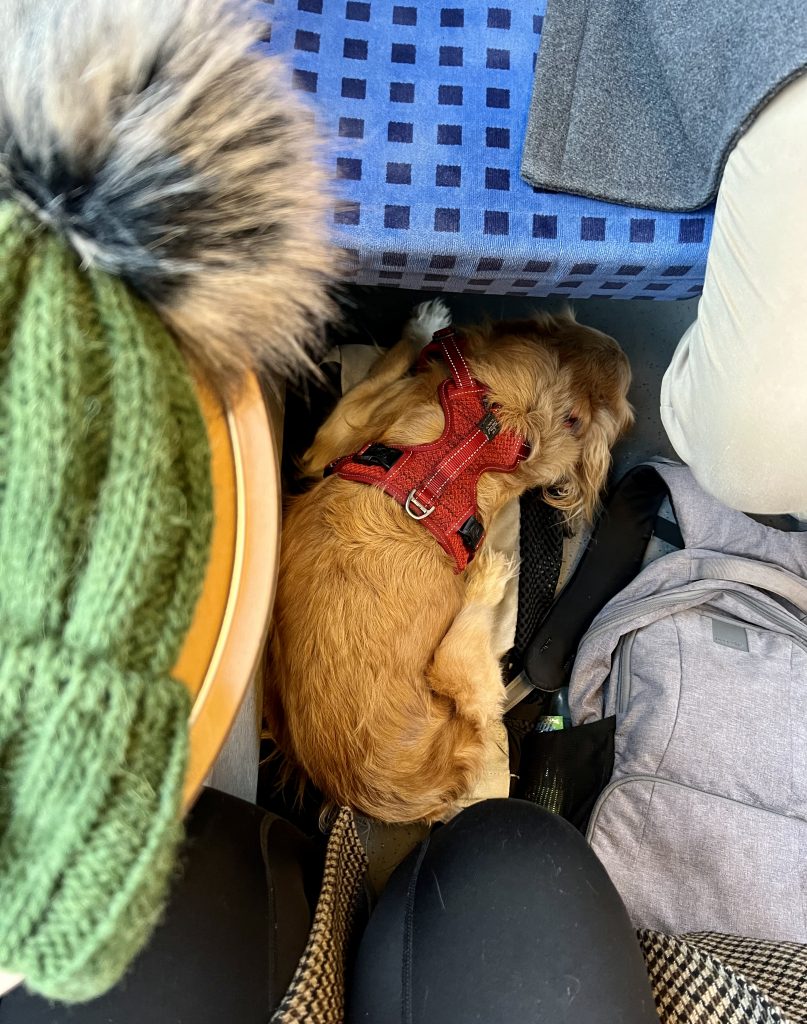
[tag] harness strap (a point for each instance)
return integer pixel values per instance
(421, 500)
(424, 496)
(455, 359)
(439, 479)
(444, 341)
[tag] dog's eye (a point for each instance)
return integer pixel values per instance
(571, 421)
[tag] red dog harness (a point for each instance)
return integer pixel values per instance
(436, 482)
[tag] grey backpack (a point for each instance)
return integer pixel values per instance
(702, 659)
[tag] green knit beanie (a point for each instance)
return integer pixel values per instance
(105, 518)
(155, 174)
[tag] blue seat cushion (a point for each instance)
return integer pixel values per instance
(426, 104)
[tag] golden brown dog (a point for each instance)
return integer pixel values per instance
(383, 670)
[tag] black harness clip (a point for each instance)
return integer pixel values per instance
(378, 455)
(489, 425)
(471, 533)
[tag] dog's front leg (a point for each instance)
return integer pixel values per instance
(346, 427)
(466, 666)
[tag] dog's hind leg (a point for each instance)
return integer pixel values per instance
(466, 666)
(347, 425)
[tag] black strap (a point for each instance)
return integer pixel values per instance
(540, 557)
(612, 559)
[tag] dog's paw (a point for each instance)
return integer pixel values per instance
(489, 576)
(427, 318)
(312, 464)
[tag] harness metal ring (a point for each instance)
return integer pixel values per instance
(412, 500)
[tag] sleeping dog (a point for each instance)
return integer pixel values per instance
(383, 670)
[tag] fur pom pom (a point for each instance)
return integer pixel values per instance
(167, 148)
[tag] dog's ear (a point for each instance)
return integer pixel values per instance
(600, 375)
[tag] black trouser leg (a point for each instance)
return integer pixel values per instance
(503, 915)
(235, 927)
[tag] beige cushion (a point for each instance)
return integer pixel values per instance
(734, 399)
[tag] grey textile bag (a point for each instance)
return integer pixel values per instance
(641, 101)
(703, 660)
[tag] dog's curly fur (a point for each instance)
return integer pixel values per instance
(383, 674)
(158, 138)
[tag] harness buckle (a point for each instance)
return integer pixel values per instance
(412, 500)
(489, 425)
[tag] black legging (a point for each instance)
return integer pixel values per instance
(235, 927)
(503, 915)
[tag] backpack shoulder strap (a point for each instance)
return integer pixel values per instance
(706, 523)
(611, 560)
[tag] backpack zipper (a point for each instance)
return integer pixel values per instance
(624, 649)
(623, 687)
(623, 617)
(659, 780)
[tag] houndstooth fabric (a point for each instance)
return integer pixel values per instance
(692, 986)
(317, 991)
(778, 968)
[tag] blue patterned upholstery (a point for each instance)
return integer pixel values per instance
(427, 101)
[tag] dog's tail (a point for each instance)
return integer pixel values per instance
(449, 761)
(452, 766)
(161, 141)
(407, 787)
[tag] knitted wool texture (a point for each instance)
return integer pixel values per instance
(105, 517)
